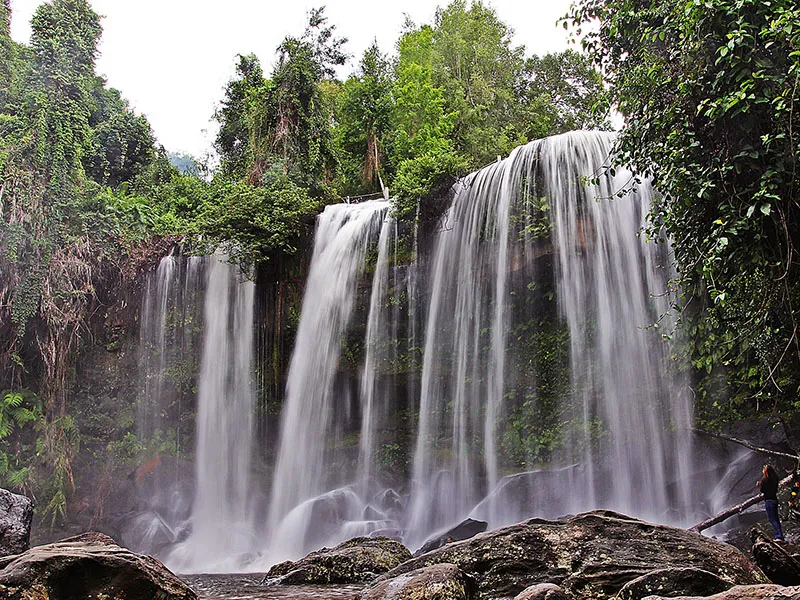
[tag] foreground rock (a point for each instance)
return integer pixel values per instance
(775, 559)
(353, 561)
(91, 565)
(542, 591)
(16, 514)
(744, 592)
(590, 555)
(437, 582)
(463, 531)
(676, 582)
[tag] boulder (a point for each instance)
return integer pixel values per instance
(91, 565)
(353, 561)
(775, 559)
(743, 592)
(590, 555)
(677, 582)
(463, 531)
(437, 582)
(16, 514)
(542, 591)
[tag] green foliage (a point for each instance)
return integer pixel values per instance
(122, 144)
(364, 110)
(289, 117)
(233, 138)
(20, 418)
(253, 223)
(423, 177)
(708, 89)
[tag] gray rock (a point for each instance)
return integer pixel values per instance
(675, 582)
(743, 592)
(16, 514)
(91, 565)
(590, 555)
(353, 561)
(463, 531)
(437, 582)
(775, 559)
(542, 591)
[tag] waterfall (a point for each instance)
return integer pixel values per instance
(515, 367)
(315, 404)
(222, 518)
(625, 423)
(153, 347)
(612, 285)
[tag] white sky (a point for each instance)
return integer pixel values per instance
(172, 58)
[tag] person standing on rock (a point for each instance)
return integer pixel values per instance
(769, 487)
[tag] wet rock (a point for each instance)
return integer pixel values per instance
(392, 533)
(590, 555)
(743, 592)
(542, 591)
(91, 565)
(676, 582)
(463, 531)
(359, 559)
(775, 559)
(16, 514)
(437, 582)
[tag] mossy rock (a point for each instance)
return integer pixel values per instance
(354, 561)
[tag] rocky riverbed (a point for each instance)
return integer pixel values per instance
(248, 586)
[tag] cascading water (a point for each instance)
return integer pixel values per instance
(313, 393)
(379, 434)
(625, 421)
(612, 284)
(222, 519)
(169, 338)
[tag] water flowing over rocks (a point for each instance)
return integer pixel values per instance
(590, 555)
(353, 561)
(744, 592)
(16, 514)
(437, 582)
(673, 581)
(91, 565)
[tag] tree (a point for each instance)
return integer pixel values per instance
(64, 39)
(477, 67)
(364, 112)
(122, 144)
(708, 89)
(561, 92)
(289, 118)
(233, 138)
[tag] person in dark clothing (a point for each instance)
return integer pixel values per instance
(769, 487)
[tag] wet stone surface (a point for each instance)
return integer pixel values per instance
(248, 587)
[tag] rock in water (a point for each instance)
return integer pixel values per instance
(437, 582)
(590, 555)
(677, 582)
(16, 514)
(463, 531)
(359, 559)
(91, 565)
(743, 592)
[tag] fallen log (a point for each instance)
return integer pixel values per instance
(735, 510)
(746, 444)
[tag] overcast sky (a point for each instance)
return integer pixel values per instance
(172, 58)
